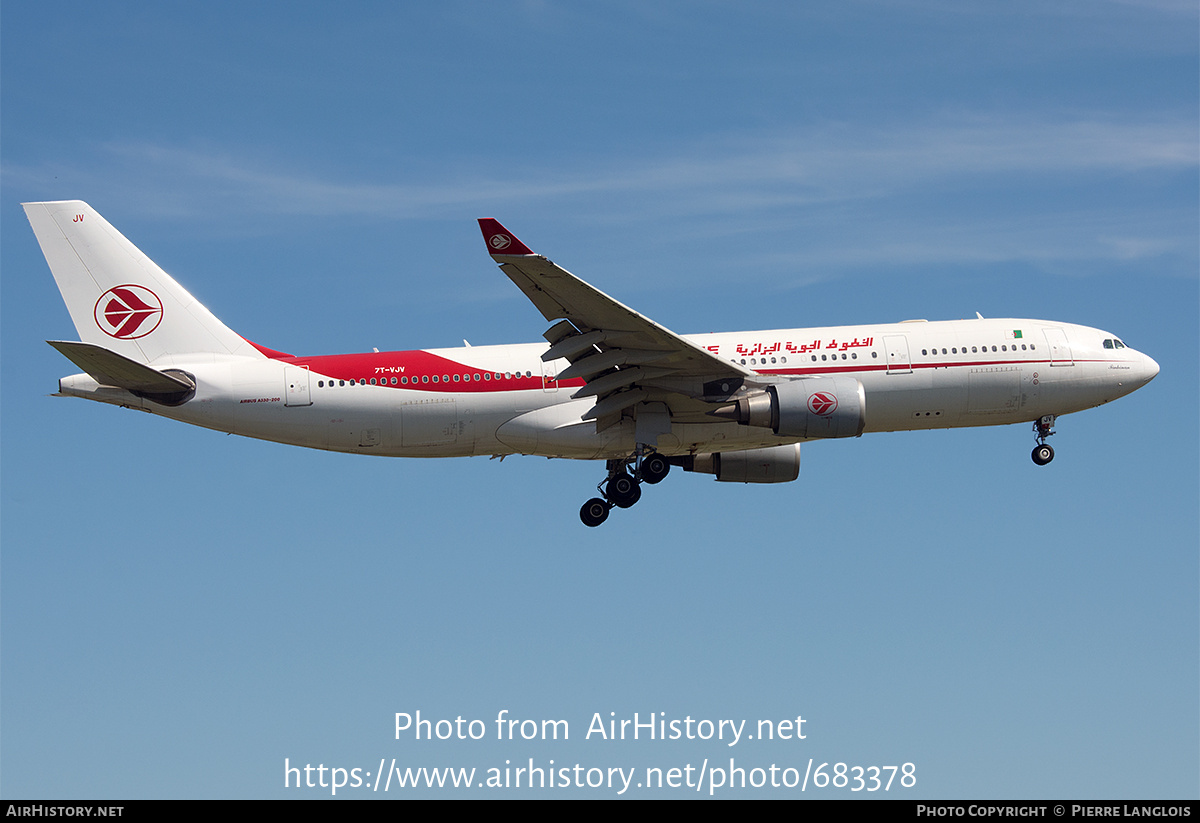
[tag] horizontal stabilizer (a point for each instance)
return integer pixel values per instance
(111, 369)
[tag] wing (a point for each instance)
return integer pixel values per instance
(624, 357)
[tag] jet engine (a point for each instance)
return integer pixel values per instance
(774, 464)
(810, 407)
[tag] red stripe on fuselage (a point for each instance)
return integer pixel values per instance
(903, 368)
(417, 365)
(271, 353)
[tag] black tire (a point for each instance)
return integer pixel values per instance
(594, 512)
(654, 468)
(1043, 454)
(634, 496)
(623, 491)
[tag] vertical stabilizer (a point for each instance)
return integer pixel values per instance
(118, 298)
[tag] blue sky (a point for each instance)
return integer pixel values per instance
(181, 610)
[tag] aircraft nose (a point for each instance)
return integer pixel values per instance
(1149, 368)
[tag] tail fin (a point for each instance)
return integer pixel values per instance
(118, 298)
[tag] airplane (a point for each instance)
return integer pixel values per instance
(608, 384)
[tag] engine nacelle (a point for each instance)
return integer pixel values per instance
(810, 407)
(774, 464)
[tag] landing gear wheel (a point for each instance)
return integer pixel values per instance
(1043, 454)
(623, 491)
(634, 496)
(594, 512)
(654, 468)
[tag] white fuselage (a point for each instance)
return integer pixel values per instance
(497, 400)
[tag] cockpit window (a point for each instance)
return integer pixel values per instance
(1120, 345)
(1108, 344)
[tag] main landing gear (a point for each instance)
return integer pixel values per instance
(623, 488)
(1043, 427)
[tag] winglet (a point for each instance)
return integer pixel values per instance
(499, 239)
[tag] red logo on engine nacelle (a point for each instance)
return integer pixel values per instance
(128, 312)
(822, 403)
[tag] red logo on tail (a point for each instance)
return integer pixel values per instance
(128, 312)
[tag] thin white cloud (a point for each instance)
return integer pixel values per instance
(971, 189)
(733, 174)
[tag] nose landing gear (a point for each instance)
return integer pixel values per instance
(621, 488)
(1043, 427)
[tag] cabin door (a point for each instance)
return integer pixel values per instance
(295, 386)
(895, 347)
(1060, 349)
